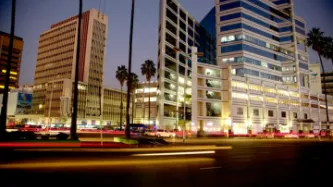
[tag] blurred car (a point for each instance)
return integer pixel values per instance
(165, 133)
(310, 135)
(149, 132)
(291, 136)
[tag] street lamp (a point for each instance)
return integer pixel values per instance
(177, 50)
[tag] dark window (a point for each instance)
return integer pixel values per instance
(170, 64)
(172, 5)
(271, 113)
(171, 16)
(240, 111)
(182, 58)
(182, 36)
(190, 22)
(305, 116)
(283, 114)
(181, 70)
(190, 42)
(170, 52)
(182, 25)
(190, 32)
(182, 15)
(170, 39)
(182, 47)
(255, 112)
(295, 115)
(171, 28)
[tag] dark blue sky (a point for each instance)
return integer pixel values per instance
(36, 16)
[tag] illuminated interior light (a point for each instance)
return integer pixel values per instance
(11, 72)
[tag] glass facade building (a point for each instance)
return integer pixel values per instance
(252, 73)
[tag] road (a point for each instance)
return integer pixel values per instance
(241, 163)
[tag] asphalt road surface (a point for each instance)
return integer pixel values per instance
(243, 163)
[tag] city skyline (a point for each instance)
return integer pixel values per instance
(145, 28)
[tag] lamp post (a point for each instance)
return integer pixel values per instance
(129, 81)
(187, 56)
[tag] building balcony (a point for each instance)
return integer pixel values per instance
(254, 102)
(281, 105)
(305, 100)
(270, 94)
(256, 92)
(239, 89)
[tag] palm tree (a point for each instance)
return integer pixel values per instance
(328, 49)
(315, 39)
(135, 83)
(148, 69)
(121, 75)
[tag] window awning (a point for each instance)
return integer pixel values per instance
(305, 121)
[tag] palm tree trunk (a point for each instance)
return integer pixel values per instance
(148, 101)
(324, 79)
(121, 107)
(3, 118)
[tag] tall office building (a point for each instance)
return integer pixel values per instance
(180, 37)
(55, 68)
(15, 62)
(255, 78)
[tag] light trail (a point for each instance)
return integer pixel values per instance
(102, 163)
(176, 153)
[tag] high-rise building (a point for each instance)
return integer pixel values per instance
(15, 62)
(55, 68)
(180, 37)
(255, 77)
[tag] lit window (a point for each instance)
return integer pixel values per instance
(239, 96)
(11, 72)
(181, 80)
(231, 38)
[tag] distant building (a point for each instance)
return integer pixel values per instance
(329, 83)
(315, 79)
(142, 94)
(15, 62)
(55, 68)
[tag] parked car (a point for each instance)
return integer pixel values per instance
(149, 132)
(165, 133)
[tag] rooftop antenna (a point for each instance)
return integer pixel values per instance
(99, 8)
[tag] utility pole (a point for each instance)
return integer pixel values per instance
(76, 83)
(3, 117)
(129, 81)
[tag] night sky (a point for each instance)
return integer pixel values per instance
(36, 16)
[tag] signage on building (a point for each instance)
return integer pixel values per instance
(23, 103)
